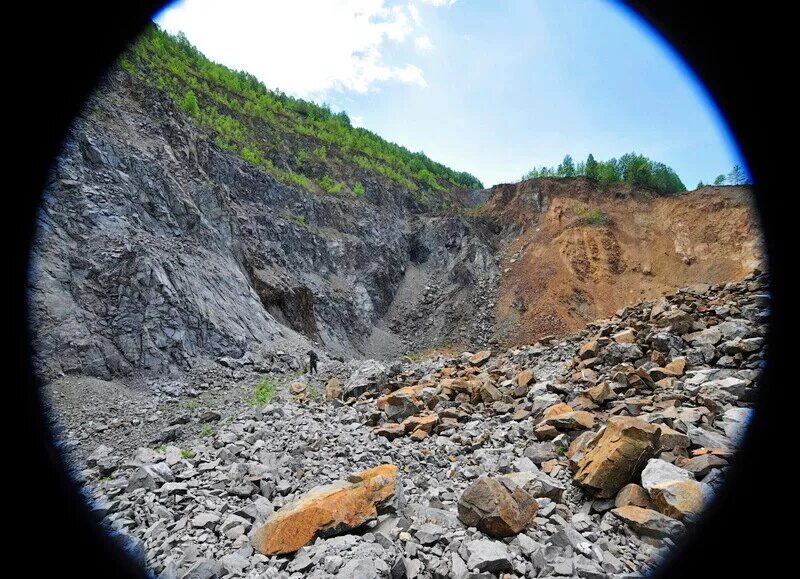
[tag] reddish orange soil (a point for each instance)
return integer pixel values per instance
(557, 276)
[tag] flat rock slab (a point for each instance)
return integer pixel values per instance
(328, 510)
(648, 523)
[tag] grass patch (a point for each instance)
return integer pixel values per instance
(300, 220)
(191, 404)
(264, 391)
(593, 216)
(187, 453)
(358, 189)
(206, 431)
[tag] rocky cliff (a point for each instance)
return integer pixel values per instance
(158, 248)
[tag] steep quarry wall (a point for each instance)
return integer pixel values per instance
(157, 250)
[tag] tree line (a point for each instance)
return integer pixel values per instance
(629, 168)
(737, 176)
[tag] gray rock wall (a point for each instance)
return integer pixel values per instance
(157, 249)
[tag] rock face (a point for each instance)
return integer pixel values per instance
(498, 507)
(209, 256)
(328, 510)
(617, 455)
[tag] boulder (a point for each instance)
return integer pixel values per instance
(680, 499)
(648, 523)
(588, 350)
(678, 320)
(496, 506)
(577, 448)
(371, 375)
(601, 393)
(488, 556)
(701, 465)
(480, 358)
(400, 405)
(328, 510)
(617, 455)
(633, 495)
(659, 471)
(525, 377)
(626, 336)
(574, 420)
(298, 388)
(390, 430)
(537, 484)
(426, 423)
(677, 366)
(333, 389)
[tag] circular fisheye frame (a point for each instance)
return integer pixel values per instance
(274, 338)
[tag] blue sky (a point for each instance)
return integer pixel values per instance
(486, 86)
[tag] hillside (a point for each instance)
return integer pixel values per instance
(297, 142)
(612, 247)
(177, 231)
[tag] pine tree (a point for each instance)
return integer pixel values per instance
(720, 180)
(566, 168)
(592, 169)
(737, 176)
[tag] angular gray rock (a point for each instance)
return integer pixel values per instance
(487, 555)
(659, 471)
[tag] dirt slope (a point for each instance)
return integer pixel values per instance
(611, 248)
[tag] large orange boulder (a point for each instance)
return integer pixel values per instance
(328, 510)
(617, 455)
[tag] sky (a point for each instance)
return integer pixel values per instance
(485, 86)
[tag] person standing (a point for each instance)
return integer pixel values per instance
(312, 361)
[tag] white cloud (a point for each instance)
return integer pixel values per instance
(439, 2)
(303, 47)
(413, 11)
(423, 43)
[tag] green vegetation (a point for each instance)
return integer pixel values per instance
(187, 453)
(298, 219)
(264, 391)
(629, 168)
(330, 185)
(593, 216)
(191, 404)
(206, 430)
(358, 189)
(254, 122)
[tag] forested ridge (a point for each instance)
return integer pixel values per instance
(297, 141)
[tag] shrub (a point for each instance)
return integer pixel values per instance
(593, 216)
(330, 185)
(358, 189)
(189, 103)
